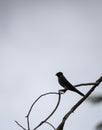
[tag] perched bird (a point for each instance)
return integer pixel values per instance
(66, 84)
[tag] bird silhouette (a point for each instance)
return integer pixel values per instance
(66, 84)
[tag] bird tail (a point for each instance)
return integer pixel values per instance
(80, 92)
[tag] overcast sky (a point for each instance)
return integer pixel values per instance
(38, 38)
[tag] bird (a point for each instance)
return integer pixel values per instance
(66, 84)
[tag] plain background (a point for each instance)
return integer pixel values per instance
(38, 38)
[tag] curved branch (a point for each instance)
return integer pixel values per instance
(38, 99)
(59, 98)
(50, 125)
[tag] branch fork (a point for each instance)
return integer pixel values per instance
(59, 93)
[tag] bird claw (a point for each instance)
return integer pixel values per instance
(62, 91)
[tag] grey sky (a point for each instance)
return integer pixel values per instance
(39, 38)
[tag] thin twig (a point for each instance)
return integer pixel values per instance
(59, 98)
(20, 125)
(38, 99)
(28, 123)
(83, 84)
(50, 125)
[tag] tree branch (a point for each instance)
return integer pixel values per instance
(50, 125)
(59, 98)
(83, 84)
(60, 127)
(28, 123)
(20, 125)
(38, 99)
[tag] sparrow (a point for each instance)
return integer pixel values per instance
(66, 84)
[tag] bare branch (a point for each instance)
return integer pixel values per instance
(20, 125)
(61, 125)
(78, 103)
(38, 99)
(50, 125)
(59, 98)
(84, 84)
(28, 123)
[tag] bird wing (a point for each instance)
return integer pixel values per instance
(66, 83)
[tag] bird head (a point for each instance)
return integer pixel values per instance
(59, 74)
